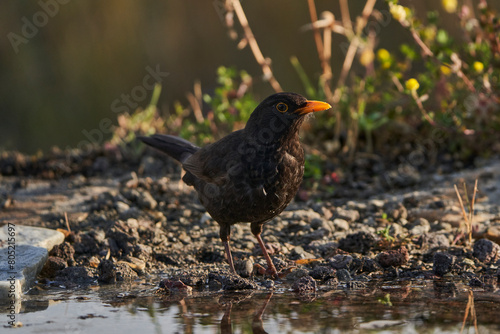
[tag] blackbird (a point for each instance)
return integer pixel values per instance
(252, 174)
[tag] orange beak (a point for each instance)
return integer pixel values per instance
(313, 106)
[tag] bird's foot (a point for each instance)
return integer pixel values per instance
(272, 272)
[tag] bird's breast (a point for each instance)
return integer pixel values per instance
(257, 189)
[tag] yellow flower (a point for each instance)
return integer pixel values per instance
(412, 84)
(429, 33)
(478, 66)
(446, 70)
(383, 55)
(366, 57)
(449, 5)
(398, 12)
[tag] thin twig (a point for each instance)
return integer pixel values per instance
(266, 69)
(67, 221)
(346, 17)
(317, 36)
(324, 50)
(421, 107)
(195, 100)
(425, 48)
(353, 47)
(466, 218)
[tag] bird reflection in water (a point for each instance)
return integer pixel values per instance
(257, 325)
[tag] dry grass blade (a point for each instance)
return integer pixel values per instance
(464, 213)
(468, 218)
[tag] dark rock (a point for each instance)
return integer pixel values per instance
(192, 278)
(166, 258)
(340, 261)
(486, 251)
(476, 282)
(439, 204)
(296, 274)
(85, 244)
(315, 235)
(411, 202)
(332, 282)
(124, 235)
(370, 265)
(343, 275)
(110, 272)
(360, 242)
(174, 286)
(393, 258)
(443, 263)
(64, 251)
(78, 275)
(322, 273)
(231, 282)
(395, 210)
(279, 263)
(304, 285)
(53, 266)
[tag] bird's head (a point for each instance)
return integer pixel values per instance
(282, 114)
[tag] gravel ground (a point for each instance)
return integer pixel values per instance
(133, 217)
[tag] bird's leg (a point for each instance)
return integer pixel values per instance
(225, 231)
(271, 269)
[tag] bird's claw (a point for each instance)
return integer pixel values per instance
(271, 272)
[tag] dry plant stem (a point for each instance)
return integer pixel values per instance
(195, 102)
(324, 50)
(466, 80)
(317, 36)
(266, 69)
(67, 221)
(425, 48)
(421, 107)
(468, 222)
(353, 47)
(196, 107)
(346, 17)
(398, 84)
(351, 52)
(473, 201)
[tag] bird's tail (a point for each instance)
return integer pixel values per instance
(176, 147)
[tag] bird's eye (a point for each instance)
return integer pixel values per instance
(282, 107)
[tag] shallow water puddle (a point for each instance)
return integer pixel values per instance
(410, 307)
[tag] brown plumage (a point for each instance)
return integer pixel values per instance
(251, 175)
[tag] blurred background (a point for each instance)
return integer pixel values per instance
(61, 79)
